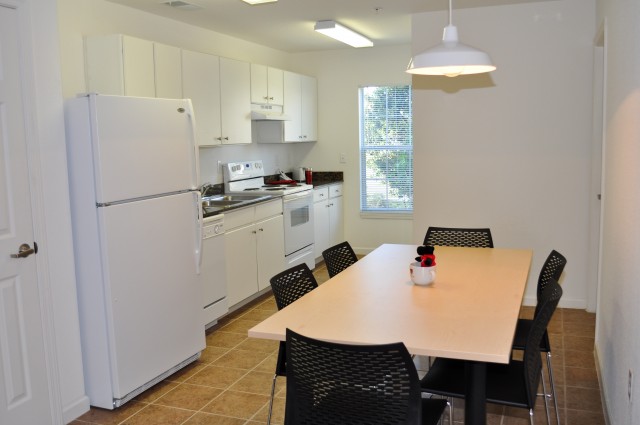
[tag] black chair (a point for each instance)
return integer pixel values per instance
(451, 236)
(338, 258)
(287, 287)
(551, 271)
(330, 383)
(514, 384)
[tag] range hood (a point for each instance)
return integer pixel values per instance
(268, 113)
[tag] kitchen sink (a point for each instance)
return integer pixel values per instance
(219, 203)
(226, 201)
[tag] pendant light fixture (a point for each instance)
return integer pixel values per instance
(450, 58)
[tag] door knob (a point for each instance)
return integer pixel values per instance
(25, 250)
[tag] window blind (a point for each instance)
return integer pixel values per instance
(386, 149)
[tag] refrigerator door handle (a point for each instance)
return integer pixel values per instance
(198, 203)
(194, 145)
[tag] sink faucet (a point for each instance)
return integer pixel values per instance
(205, 188)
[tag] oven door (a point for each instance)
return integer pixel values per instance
(298, 221)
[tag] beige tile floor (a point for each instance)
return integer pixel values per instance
(231, 382)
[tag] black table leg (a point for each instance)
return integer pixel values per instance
(475, 404)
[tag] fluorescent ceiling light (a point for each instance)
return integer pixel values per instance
(254, 2)
(450, 58)
(342, 33)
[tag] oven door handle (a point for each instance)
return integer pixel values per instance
(297, 196)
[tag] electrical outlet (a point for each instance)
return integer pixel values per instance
(629, 390)
(343, 158)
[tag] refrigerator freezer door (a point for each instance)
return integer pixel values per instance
(142, 146)
(153, 295)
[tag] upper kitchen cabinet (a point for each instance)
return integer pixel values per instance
(168, 71)
(120, 65)
(301, 105)
(219, 89)
(235, 101)
(266, 85)
(201, 84)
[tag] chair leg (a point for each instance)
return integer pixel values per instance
(273, 390)
(531, 416)
(553, 388)
(450, 404)
(544, 396)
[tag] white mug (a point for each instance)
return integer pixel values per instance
(422, 275)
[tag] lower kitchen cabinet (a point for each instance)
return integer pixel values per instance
(327, 216)
(254, 249)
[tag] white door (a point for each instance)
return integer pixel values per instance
(24, 397)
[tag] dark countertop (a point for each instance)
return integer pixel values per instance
(211, 211)
(322, 178)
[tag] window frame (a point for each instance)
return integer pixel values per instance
(384, 212)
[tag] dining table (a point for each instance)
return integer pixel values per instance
(469, 312)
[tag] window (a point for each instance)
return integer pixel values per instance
(386, 149)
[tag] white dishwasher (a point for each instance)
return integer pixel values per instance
(213, 271)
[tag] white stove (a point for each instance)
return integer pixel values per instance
(297, 207)
(248, 176)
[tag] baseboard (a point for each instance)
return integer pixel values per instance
(603, 399)
(76, 409)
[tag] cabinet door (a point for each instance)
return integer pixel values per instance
(119, 65)
(321, 227)
(275, 83)
(168, 71)
(138, 67)
(270, 250)
(201, 84)
(309, 108)
(242, 266)
(235, 101)
(292, 107)
(259, 84)
(336, 233)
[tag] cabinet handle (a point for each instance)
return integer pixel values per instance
(254, 232)
(271, 98)
(218, 138)
(226, 138)
(266, 97)
(262, 230)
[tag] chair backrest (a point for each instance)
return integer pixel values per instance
(338, 258)
(532, 362)
(329, 383)
(451, 236)
(551, 270)
(292, 284)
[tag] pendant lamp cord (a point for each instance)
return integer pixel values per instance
(450, 12)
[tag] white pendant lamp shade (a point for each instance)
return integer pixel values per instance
(450, 58)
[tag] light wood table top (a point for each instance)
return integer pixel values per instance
(470, 311)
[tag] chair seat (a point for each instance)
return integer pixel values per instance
(432, 409)
(505, 382)
(522, 331)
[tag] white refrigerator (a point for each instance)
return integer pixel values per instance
(137, 224)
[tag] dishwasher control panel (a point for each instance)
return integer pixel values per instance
(213, 226)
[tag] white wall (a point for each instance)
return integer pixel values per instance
(618, 316)
(511, 150)
(340, 73)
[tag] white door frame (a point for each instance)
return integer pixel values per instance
(600, 131)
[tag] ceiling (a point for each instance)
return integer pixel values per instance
(288, 24)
